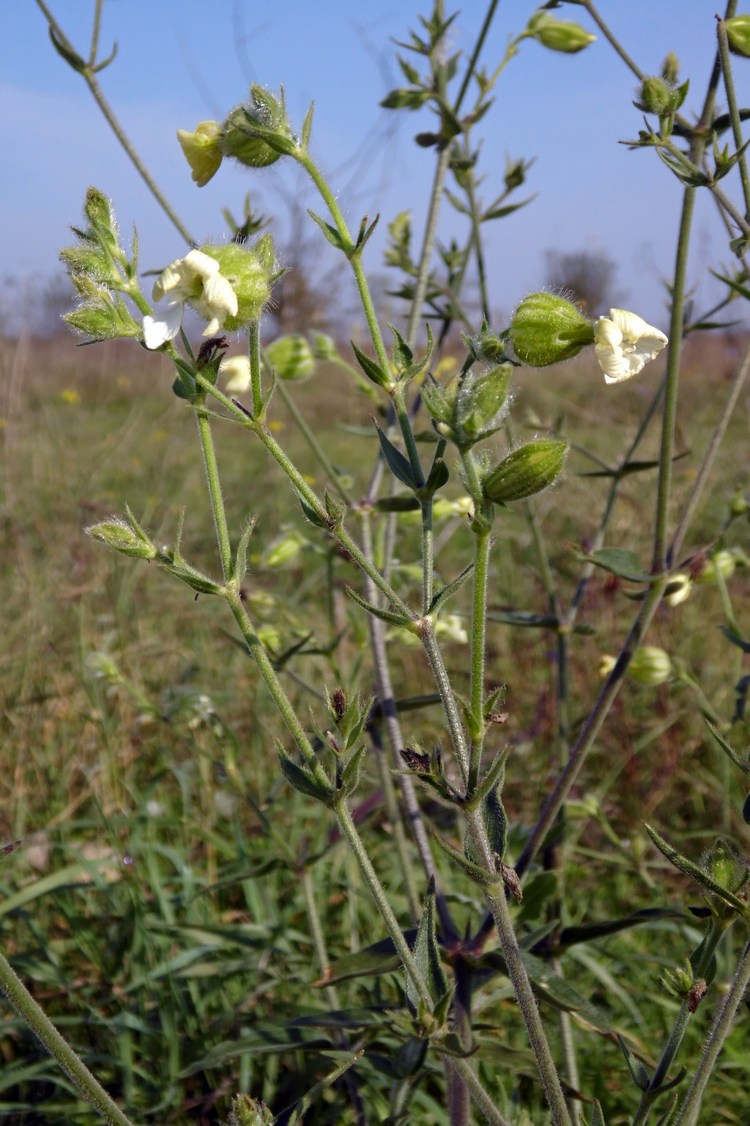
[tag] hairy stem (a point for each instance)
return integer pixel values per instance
(27, 1008)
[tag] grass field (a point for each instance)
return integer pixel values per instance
(159, 904)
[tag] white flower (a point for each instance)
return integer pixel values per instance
(195, 280)
(625, 344)
(236, 371)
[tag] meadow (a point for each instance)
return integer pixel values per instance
(158, 898)
(374, 708)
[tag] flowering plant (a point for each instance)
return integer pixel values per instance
(477, 908)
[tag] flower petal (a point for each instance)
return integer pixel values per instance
(236, 371)
(163, 326)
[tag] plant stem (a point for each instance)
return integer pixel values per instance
(214, 490)
(480, 1097)
(708, 949)
(397, 743)
(255, 369)
(380, 897)
(304, 491)
(88, 73)
(669, 415)
(348, 828)
(591, 727)
(313, 443)
(498, 905)
(31, 1012)
(688, 1113)
(709, 457)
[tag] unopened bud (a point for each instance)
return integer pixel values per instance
(251, 274)
(725, 866)
(257, 132)
(721, 563)
(656, 96)
(324, 347)
(558, 35)
(650, 666)
(121, 536)
(738, 35)
(291, 357)
(480, 406)
(526, 471)
(547, 329)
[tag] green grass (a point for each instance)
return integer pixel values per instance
(156, 905)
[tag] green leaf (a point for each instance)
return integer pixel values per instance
(302, 779)
(307, 127)
(638, 1072)
(488, 880)
(372, 961)
(620, 562)
(406, 99)
(587, 932)
(438, 477)
(397, 504)
(689, 868)
(449, 589)
(402, 353)
(427, 954)
(736, 759)
(372, 369)
(392, 617)
(331, 234)
(399, 465)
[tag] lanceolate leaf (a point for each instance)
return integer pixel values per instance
(427, 954)
(620, 562)
(445, 592)
(392, 617)
(399, 465)
(695, 872)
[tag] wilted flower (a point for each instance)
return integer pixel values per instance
(196, 280)
(625, 344)
(202, 150)
(236, 371)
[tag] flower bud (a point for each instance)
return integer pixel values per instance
(251, 273)
(291, 357)
(650, 666)
(656, 96)
(121, 536)
(257, 132)
(103, 318)
(526, 471)
(547, 329)
(249, 1112)
(202, 150)
(738, 35)
(721, 563)
(558, 35)
(480, 406)
(670, 68)
(725, 866)
(324, 347)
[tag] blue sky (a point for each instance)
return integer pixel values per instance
(178, 65)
